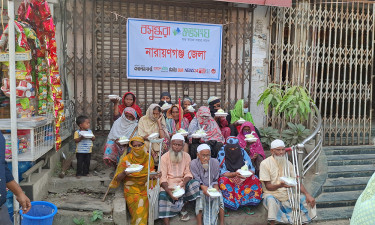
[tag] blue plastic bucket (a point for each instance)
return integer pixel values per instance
(41, 213)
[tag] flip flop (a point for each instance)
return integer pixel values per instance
(226, 213)
(184, 216)
(248, 211)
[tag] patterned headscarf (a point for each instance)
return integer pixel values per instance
(209, 125)
(233, 158)
(137, 154)
(256, 147)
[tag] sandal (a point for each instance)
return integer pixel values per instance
(248, 211)
(226, 213)
(184, 216)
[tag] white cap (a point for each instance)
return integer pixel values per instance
(203, 147)
(277, 143)
(178, 137)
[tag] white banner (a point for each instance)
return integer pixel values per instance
(166, 50)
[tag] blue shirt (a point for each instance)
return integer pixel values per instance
(5, 174)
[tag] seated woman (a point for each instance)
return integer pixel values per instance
(173, 123)
(154, 122)
(126, 126)
(237, 190)
(213, 137)
(240, 110)
(215, 105)
(128, 100)
(186, 102)
(135, 188)
(254, 149)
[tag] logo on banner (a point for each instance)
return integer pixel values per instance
(164, 69)
(176, 31)
(213, 71)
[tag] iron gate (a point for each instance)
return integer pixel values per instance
(95, 48)
(328, 48)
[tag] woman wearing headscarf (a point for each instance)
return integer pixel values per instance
(126, 126)
(215, 104)
(240, 111)
(175, 122)
(154, 122)
(186, 102)
(237, 190)
(214, 138)
(128, 100)
(254, 149)
(135, 188)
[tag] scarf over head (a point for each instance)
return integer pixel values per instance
(137, 155)
(211, 102)
(166, 93)
(148, 124)
(172, 125)
(122, 126)
(188, 115)
(238, 113)
(209, 125)
(134, 105)
(233, 158)
(256, 147)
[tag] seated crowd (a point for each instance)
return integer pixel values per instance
(198, 165)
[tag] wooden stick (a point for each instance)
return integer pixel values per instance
(66, 165)
(106, 193)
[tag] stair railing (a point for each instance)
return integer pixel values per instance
(306, 160)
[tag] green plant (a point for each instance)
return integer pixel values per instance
(289, 101)
(96, 214)
(271, 97)
(295, 134)
(295, 101)
(80, 221)
(268, 135)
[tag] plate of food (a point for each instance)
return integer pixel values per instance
(123, 140)
(166, 106)
(178, 192)
(244, 171)
(199, 134)
(153, 136)
(86, 134)
(113, 97)
(183, 132)
(289, 181)
(133, 168)
(190, 108)
(221, 113)
(213, 192)
(250, 137)
(241, 121)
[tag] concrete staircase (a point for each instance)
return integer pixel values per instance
(349, 169)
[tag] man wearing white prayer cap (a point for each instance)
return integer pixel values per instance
(275, 191)
(176, 174)
(199, 168)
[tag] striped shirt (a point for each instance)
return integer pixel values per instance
(85, 145)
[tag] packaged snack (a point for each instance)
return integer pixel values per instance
(42, 92)
(55, 79)
(57, 92)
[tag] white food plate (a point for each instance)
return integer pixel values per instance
(134, 169)
(183, 133)
(113, 97)
(179, 193)
(288, 181)
(153, 136)
(123, 142)
(215, 194)
(165, 107)
(86, 134)
(245, 173)
(191, 110)
(241, 121)
(221, 114)
(254, 139)
(198, 135)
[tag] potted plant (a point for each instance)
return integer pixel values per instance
(295, 134)
(268, 135)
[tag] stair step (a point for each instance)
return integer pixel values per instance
(345, 184)
(351, 151)
(337, 199)
(350, 171)
(342, 160)
(334, 213)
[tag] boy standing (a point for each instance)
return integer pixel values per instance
(84, 140)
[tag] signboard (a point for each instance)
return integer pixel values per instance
(166, 50)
